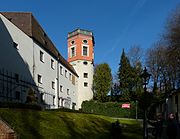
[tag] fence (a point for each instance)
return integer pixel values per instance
(14, 87)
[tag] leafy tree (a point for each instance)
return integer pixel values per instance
(102, 81)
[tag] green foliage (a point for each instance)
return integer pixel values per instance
(129, 78)
(20, 105)
(102, 81)
(112, 109)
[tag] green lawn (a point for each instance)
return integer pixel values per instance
(31, 124)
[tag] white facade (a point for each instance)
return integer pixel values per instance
(35, 67)
(15, 61)
(85, 91)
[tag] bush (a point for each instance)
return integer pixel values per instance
(112, 109)
(20, 105)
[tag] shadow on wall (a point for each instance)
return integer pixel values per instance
(15, 76)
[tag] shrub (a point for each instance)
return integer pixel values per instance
(112, 109)
(20, 105)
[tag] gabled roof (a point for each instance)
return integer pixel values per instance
(26, 22)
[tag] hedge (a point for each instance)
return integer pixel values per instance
(112, 109)
(20, 105)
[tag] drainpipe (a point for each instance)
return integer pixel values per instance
(58, 81)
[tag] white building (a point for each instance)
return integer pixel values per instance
(30, 61)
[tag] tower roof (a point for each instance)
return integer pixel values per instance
(26, 22)
(80, 31)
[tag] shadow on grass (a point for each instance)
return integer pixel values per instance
(87, 129)
(30, 122)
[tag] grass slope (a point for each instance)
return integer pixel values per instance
(31, 124)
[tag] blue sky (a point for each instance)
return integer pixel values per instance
(116, 24)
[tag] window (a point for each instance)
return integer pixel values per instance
(72, 53)
(72, 42)
(73, 79)
(85, 41)
(66, 73)
(15, 45)
(16, 77)
(67, 91)
(52, 64)
(85, 62)
(85, 51)
(70, 76)
(53, 85)
(41, 56)
(39, 79)
(53, 100)
(85, 75)
(17, 95)
(61, 70)
(61, 88)
(85, 84)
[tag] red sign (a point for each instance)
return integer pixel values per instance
(127, 106)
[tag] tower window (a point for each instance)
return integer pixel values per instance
(85, 75)
(85, 41)
(85, 84)
(85, 62)
(85, 51)
(72, 53)
(72, 42)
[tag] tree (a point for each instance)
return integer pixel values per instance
(102, 81)
(135, 54)
(156, 62)
(125, 75)
(172, 38)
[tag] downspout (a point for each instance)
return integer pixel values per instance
(33, 64)
(58, 82)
